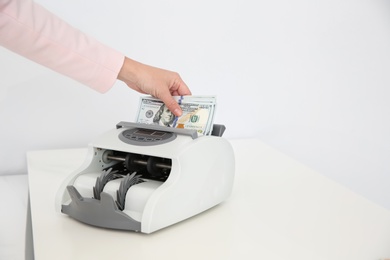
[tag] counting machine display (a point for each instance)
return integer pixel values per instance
(146, 137)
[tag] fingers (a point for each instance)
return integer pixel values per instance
(160, 83)
(171, 104)
(183, 90)
(178, 88)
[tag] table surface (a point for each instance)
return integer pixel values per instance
(279, 209)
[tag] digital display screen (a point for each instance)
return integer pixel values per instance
(144, 132)
(158, 133)
(149, 132)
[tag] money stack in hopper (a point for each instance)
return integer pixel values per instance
(198, 113)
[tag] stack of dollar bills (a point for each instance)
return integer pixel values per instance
(198, 113)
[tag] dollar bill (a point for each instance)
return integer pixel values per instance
(198, 113)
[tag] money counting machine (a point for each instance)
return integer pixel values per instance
(143, 177)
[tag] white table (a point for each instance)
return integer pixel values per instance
(279, 209)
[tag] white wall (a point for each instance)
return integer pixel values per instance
(307, 77)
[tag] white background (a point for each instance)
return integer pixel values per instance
(310, 78)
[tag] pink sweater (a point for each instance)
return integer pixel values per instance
(30, 30)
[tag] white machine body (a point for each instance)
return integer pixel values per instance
(179, 178)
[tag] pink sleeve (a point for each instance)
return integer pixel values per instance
(30, 30)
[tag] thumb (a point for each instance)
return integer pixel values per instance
(172, 105)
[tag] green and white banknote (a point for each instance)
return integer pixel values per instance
(198, 113)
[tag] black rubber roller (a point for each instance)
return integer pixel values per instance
(134, 162)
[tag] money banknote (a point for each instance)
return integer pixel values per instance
(198, 113)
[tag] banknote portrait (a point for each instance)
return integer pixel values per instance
(164, 116)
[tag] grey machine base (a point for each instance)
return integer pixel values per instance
(102, 213)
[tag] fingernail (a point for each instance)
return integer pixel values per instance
(177, 112)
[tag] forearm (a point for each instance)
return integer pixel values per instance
(30, 30)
